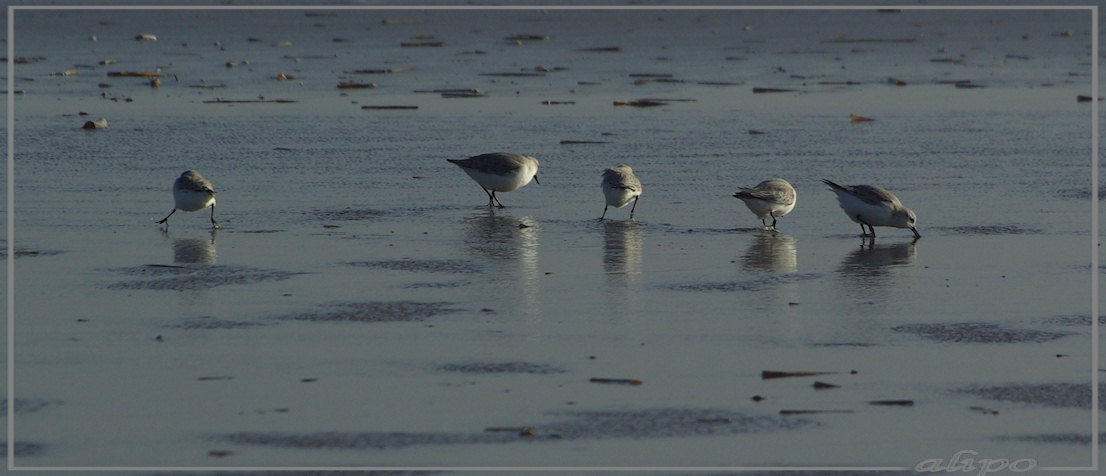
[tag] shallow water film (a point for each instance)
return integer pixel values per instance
(361, 306)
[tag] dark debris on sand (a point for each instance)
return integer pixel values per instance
(501, 368)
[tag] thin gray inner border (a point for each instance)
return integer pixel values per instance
(1093, 9)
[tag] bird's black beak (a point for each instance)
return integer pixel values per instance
(539, 183)
(916, 234)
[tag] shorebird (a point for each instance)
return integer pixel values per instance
(620, 185)
(192, 192)
(499, 172)
(873, 206)
(772, 198)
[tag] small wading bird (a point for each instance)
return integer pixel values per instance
(873, 206)
(499, 172)
(620, 185)
(192, 192)
(772, 198)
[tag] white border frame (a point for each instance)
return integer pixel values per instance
(1093, 9)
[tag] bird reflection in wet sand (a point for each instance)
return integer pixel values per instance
(501, 237)
(871, 266)
(770, 251)
(622, 242)
(509, 247)
(194, 250)
(622, 268)
(871, 255)
(868, 272)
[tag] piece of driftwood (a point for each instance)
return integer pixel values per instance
(135, 74)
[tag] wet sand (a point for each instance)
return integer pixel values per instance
(361, 307)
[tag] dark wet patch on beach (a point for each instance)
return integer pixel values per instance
(442, 285)
(32, 253)
(1059, 438)
(1078, 320)
(347, 214)
(26, 405)
(823, 473)
(990, 230)
(219, 453)
(1083, 193)
(212, 324)
(844, 344)
(454, 266)
(707, 231)
(501, 368)
(258, 231)
(758, 284)
(583, 425)
(374, 311)
(23, 449)
(978, 333)
(194, 277)
(1064, 395)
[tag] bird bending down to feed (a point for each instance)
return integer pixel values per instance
(873, 206)
(620, 186)
(192, 192)
(499, 172)
(772, 198)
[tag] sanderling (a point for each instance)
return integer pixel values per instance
(873, 206)
(499, 172)
(620, 185)
(192, 192)
(772, 198)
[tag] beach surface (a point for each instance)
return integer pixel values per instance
(360, 306)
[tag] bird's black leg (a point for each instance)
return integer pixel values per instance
(497, 199)
(490, 198)
(862, 223)
(213, 224)
(166, 217)
(773, 223)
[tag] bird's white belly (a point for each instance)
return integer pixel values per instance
(618, 197)
(500, 183)
(190, 200)
(862, 212)
(765, 209)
